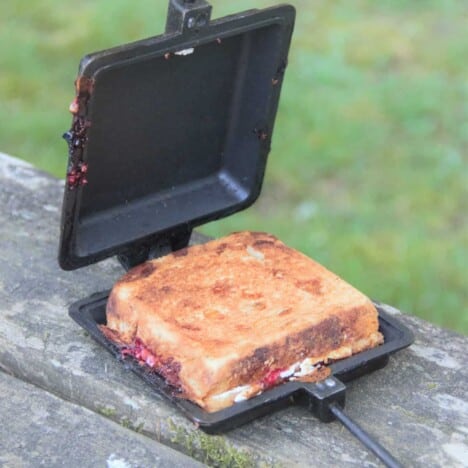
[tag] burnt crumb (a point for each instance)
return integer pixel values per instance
(181, 253)
(279, 72)
(262, 135)
(76, 137)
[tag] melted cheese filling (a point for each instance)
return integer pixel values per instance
(293, 372)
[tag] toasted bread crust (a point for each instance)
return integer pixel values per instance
(228, 311)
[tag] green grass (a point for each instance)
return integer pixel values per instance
(368, 170)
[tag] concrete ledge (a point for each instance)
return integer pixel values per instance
(42, 429)
(416, 406)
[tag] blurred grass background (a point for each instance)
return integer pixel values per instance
(368, 170)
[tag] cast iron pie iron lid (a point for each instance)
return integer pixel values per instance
(171, 132)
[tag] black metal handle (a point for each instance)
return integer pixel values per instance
(320, 395)
(326, 400)
(381, 452)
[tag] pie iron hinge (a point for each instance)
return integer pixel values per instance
(155, 247)
(187, 16)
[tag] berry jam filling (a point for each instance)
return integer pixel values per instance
(141, 353)
(272, 378)
(168, 368)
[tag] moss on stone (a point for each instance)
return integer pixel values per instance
(107, 411)
(213, 450)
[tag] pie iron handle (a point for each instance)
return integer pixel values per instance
(326, 399)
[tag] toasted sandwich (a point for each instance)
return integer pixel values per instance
(226, 320)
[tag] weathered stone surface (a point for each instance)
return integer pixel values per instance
(417, 406)
(39, 429)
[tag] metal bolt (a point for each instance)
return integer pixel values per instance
(197, 21)
(191, 22)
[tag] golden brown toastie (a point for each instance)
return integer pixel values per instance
(224, 321)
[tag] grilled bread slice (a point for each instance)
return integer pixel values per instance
(225, 320)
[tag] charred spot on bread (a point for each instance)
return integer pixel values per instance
(181, 252)
(312, 286)
(221, 248)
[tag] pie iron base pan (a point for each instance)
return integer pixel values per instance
(91, 312)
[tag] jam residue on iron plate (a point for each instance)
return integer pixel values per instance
(77, 137)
